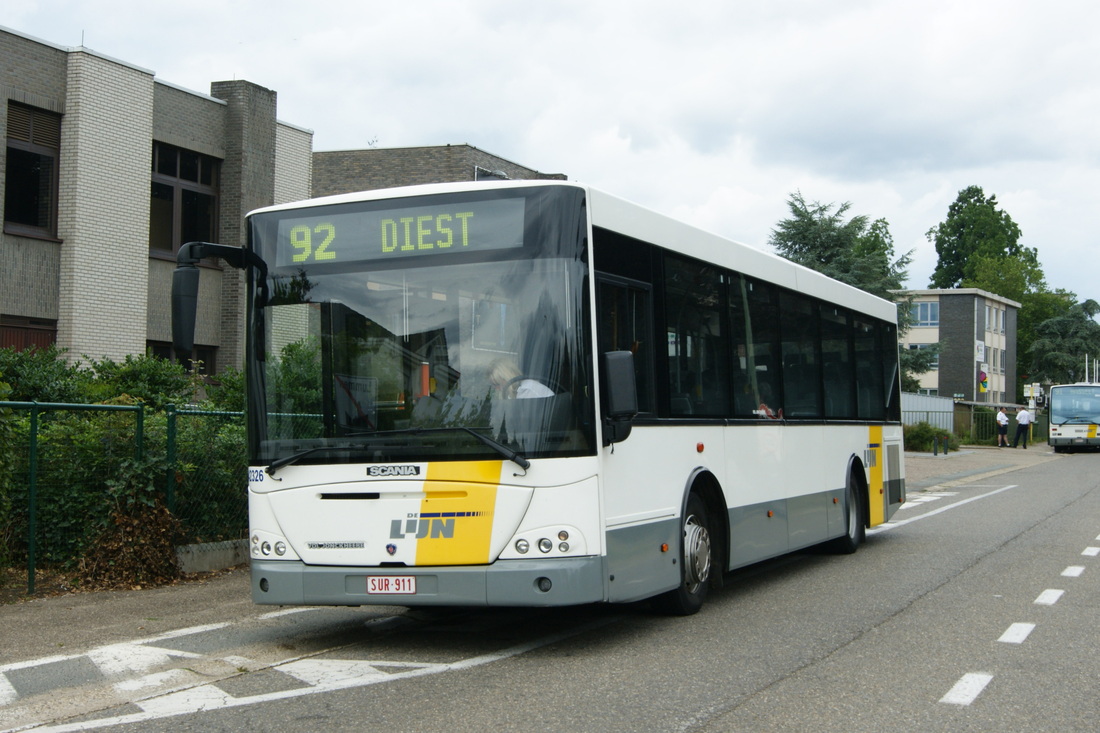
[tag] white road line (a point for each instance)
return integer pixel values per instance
(1091, 551)
(7, 692)
(339, 675)
(934, 512)
(1049, 597)
(287, 612)
(967, 689)
(1017, 633)
(1073, 571)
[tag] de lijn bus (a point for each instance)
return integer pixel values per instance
(533, 393)
(1074, 416)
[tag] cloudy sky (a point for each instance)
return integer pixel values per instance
(713, 111)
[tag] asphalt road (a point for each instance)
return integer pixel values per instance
(975, 609)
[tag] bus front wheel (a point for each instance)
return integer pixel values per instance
(696, 563)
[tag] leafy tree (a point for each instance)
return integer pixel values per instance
(858, 252)
(976, 235)
(1062, 342)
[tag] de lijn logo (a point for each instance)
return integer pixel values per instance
(433, 525)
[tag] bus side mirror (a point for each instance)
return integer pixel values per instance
(185, 301)
(620, 396)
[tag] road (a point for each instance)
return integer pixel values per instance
(975, 609)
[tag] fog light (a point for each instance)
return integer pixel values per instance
(522, 546)
(563, 535)
(564, 547)
(265, 548)
(544, 584)
(545, 545)
(280, 548)
(263, 584)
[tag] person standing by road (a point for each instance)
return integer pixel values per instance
(1002, 428)
(1023, 422)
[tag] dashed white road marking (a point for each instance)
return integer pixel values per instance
(1049, 597)
(967, 689)
(1017, 633)
(1091, 551)
(1073, 571)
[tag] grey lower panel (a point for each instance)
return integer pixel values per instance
(504, 583)
(762, 531)
(642, 560)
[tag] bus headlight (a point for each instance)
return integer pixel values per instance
(545, 545)
(522, 546)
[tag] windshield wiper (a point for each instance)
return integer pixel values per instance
(294, 458)
(512, 455)
(1081, 419)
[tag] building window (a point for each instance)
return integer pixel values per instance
(183, 204)
(30, 176)
(926, 314)
(19, 333)
(205, 357)
(935, 365)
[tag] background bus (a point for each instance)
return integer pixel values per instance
(1074, 416)
(528, 393)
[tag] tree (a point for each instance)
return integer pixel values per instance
(975, 235)
(1063, 342)
(857, 252)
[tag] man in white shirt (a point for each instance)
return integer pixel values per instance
(1002, 428)
(1023, 422)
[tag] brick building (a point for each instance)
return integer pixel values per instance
(976, 331)
(346, 171)
(106, 171)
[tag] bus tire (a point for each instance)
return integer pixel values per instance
(854, 528)
(696, 562)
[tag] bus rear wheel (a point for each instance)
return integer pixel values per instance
(696, 563)
(854, 529)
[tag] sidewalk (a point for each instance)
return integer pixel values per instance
(925, 470)
(75, 622)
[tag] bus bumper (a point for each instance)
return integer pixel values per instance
(572, 581)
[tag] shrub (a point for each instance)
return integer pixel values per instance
(156, 382)
(41, 375)
(919, 437)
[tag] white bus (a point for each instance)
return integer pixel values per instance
(533, 393)
(1074, 416)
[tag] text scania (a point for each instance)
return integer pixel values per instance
(393, 471)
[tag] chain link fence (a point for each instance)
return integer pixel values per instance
(71, 463)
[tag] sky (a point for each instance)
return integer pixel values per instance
(711, 111)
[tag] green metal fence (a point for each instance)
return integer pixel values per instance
(68, 461)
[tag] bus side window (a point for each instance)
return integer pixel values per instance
(698, 357)
(625, 325)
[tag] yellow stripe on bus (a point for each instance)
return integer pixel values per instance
(876, 490)
(457, 511)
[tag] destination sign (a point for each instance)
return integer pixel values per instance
(340, 236)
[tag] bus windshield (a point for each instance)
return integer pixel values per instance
(377, 355)
(1075, 403)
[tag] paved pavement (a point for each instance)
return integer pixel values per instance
(77, 622)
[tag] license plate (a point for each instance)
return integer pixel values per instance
(391, 584)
